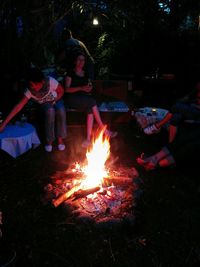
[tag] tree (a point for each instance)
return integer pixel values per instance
(146, 32)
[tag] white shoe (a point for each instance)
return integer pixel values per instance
(48, 148)
(61, 147)
(151, 129)
(111, 134)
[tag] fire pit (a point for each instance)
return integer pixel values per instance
(96, 191)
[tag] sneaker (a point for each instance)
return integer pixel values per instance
(152, 129)
(48, 148)
(111, 134)
(86, 143)
(61, 147)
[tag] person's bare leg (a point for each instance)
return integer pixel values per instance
(172, 133)
(155, 128)
(167, 161)
(172, 128)
(90, 121)
(163, 158)
(98, 117)
(163, 121)
(155, 158)
(102, 126)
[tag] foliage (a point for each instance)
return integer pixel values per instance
(105, 53)
(146, 32)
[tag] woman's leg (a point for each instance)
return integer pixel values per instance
(167, 161)
(97, 117)
(154, 159)
(164, 120)
(90, 121)
(102, 126)
(172, 132)
(163, 158)
(155, 128)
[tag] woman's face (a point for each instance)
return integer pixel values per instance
(36, 86)
(80, 61)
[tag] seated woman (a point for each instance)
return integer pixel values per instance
(48, 93)
(78, 88)
(187, 109)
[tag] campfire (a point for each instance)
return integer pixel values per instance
(95, 189)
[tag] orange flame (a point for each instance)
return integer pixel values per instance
(95, 170)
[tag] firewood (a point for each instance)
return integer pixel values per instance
(63, 197)
(83, 193)
(118, 180)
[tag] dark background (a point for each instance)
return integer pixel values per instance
(133, 40)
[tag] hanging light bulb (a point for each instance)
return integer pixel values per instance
(95, 21)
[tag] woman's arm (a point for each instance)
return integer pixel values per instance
(13, 112)
(59, 91)
(69, 89)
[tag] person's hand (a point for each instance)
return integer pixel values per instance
(53, 102)
(87, 88)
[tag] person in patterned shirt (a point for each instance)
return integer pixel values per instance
(47, 92)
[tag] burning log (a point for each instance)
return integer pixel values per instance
(118, 180)
(76, 192)
(83, 193)
(65, 196)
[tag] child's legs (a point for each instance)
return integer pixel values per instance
(61, 129)
(49, 112)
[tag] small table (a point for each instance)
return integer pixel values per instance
(114, 112)
(113, 107)
(18, 138)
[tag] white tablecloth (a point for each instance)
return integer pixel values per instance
(113, 107)
(19, 138)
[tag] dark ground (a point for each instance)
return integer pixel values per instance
(166, 232)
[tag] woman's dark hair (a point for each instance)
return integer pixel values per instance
(34, 75)
(79, 53)
(74, 56)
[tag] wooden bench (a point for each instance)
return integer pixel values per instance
(111, 97)
(113, 89)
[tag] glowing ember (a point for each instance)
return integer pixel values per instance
(95, 171)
